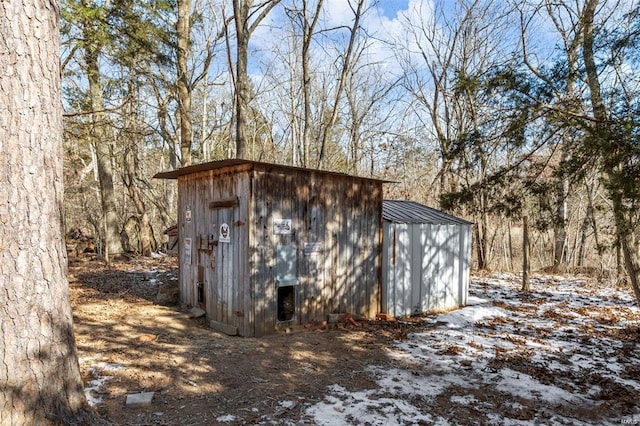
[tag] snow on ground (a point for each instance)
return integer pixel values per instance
(566, 353)
(93, 390)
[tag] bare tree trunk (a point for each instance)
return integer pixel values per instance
(346, 66)
(625, 241)
(623, 223)
(481, 246)
(571, 39)
(560, 225)
(146, 233)
(241, 11)
(589, 221)
(39, 374)
(511, 266)
(162, 114)
(525, 254)
(132, 168)
(183, 31)
(92, 46)
(205, 122)
(307, 36)
(584, 227)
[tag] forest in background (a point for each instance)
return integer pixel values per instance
(490, 110)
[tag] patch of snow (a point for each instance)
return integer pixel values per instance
(109, 366)
(227, 418)
(524, 386)
(475, 300)
(287, 404)
(470, 315)
(540, 350)
(93, 388)
(341, 406)
(464, 400)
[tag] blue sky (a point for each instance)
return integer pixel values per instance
(391, 7)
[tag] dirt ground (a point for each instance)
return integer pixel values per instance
(127, 343)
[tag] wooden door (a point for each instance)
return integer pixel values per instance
(223, 303)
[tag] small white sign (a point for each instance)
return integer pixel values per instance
(225, 234)
(312, 248)
(282, 226)
(187, 251)
(187, 215)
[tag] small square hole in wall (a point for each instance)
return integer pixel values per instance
(286, 303)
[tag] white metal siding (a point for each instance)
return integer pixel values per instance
(425, 267)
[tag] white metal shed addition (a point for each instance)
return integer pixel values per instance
(426, 257)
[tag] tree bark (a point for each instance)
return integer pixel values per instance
(183, 31)
(571, 38)
(346, 66)
(525, 254)
(162, 113)
(93, 46)
(308, 29)
(609, 147)
(481, 244)
(146, 233)
(241, 11)
(39, 374)
(560, 225)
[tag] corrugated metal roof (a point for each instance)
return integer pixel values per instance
(234, 163)
(402, 211)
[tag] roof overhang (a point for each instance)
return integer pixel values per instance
(242, 165)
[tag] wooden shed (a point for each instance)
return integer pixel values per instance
(265, 246)
(426, 259)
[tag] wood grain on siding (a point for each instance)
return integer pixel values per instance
(339, 213)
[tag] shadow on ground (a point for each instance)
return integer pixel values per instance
(128, 344)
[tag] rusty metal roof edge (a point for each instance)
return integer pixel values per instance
(235, 162)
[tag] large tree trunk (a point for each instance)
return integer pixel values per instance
(132, 174)
(610, 147)
(146, 233)
(626, 243)
(241, 12)
(183, 31)
(39, 375)
(308, 29)
(100, 139)
(572, 42)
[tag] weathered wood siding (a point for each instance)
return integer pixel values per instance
(425, 267)
(331, 256)
(221, 267)
(338, 220)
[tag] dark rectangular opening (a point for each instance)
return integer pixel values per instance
(286, 303)
(200, 287)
